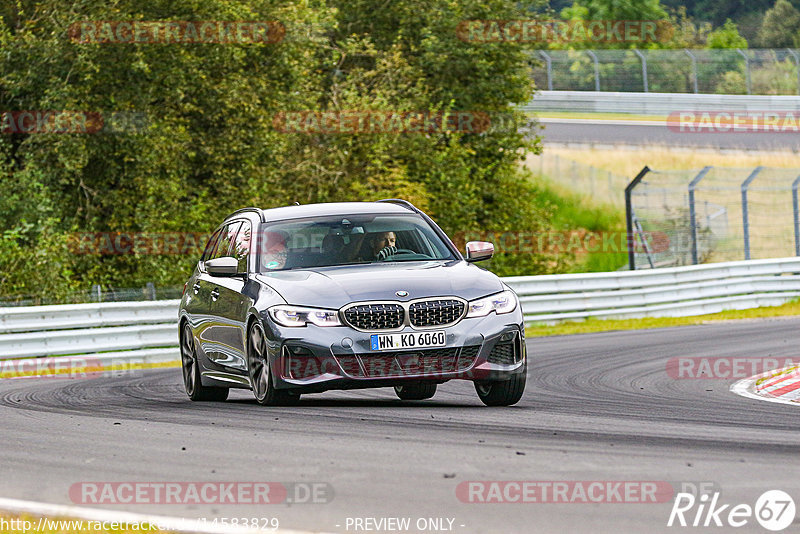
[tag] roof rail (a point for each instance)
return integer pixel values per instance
(245, 210)
(401, 202)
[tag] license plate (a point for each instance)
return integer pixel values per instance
(411, 340)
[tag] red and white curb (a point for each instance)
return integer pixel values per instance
(782, 385)
(172, 524)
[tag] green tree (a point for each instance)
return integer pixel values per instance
(726, 36)
(615, 10)
(779, 26)
(209, 145)
(688, 32)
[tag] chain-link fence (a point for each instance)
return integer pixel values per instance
(603, 186)
(714, 214)
(714, 71)
(688, 217)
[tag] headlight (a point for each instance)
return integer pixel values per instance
(503, 302)
(296, 316)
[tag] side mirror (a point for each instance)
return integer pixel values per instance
(479, 250)
(225, 266)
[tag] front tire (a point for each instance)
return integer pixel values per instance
(191, 372)
(504, 393)
(258, 369)
(415, 391)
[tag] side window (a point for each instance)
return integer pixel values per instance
(209, 250)
(226, 238)
(242, 246)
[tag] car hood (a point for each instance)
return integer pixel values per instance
(333, 287)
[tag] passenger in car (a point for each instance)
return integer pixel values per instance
(273, 250)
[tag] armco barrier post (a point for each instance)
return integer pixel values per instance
(796, 216)
(745, 222)
(694, 68)
(797, 66)
(596, 69)
(629, 215)
(747, 70)
(644, 69)
(692, 212)
(549, 63)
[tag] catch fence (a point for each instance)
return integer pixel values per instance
(714, 214)
(714, 71)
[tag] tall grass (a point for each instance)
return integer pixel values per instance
(630, 162)
(576, 211)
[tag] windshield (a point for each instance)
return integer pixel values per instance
(348, 240)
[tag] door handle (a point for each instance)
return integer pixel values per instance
(215, 294)
(196, 288)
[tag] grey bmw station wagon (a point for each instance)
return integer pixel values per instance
(304, 299)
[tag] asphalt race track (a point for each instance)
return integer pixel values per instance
(604, 133)
(598, 407)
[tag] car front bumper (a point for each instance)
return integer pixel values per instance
(313, 359)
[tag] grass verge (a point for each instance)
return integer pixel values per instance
(574, 211)
(597, 116)
(630, 162)
(776, 374)
(606, 325)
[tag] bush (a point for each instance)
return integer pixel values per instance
(209, 145)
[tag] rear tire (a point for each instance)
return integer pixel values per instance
(415, 391)
(258, 369)
(191, 372)
(504, 393)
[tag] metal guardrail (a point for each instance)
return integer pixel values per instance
(147, 332)
(671, 292)
(39, 318)
(656, 103)
(101, 335)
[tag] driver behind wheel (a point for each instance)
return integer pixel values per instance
(384, 245)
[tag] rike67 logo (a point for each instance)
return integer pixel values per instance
(774, 510)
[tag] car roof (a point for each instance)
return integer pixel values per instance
(328, 209)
